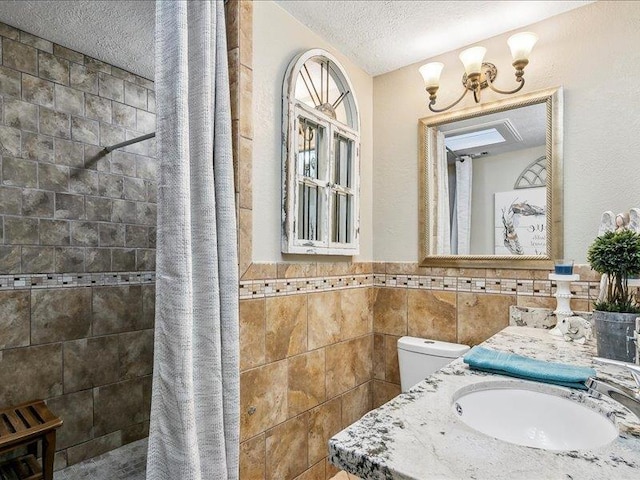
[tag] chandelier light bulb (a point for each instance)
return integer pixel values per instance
(472, 59)
(431, 73)
(521, 45)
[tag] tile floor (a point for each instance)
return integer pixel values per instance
(125, 463)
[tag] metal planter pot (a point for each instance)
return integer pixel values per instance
(614, 335)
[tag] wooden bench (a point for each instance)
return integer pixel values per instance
(24, 426)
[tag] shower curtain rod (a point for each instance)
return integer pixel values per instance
(129, 142)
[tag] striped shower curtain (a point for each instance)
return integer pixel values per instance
(194, 432)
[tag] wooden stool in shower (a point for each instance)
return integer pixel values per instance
(24, 426)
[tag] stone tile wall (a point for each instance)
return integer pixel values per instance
(454, 305)
(73, 331)
(318, 344)
(306, 371)
(64, 206)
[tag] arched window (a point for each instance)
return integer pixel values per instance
(320, 158)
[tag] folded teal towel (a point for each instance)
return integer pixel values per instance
(504, 363)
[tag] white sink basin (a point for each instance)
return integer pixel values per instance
(533, 415)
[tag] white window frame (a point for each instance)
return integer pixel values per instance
(292, 110)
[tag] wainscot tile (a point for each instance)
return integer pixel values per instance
(117, 406)
(14, 318)
(76, 411)
(390, 311)
(252, 333)
(93, 448)
(32, 372)
(432, 314)
(60, 314)
(90, 362)
(135, 350)
(252, 459)
(481, 316)
(286, 326)
(263, 398)
(355, 403)
(10, 82)
(287, 448)
(306, 381)
(117, 309)
(324, 422)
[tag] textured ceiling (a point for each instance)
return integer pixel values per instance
(118, 32)
(378, 35)
(384, 35)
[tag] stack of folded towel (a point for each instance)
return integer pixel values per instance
(504, 363)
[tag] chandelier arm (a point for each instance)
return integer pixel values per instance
(438, 110)
(505, 92)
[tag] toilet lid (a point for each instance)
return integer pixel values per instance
(432, 347)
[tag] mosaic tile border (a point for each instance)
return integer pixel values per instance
(64, 280)
(291, 286)
(508, 286)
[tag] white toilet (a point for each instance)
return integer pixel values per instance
(420, 357)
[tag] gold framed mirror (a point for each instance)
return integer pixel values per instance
(491, 184)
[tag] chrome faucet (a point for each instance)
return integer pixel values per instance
(628, 397)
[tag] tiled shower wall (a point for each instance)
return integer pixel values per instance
(77, 242)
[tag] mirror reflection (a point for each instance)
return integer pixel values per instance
(492, 182)
(496, 182)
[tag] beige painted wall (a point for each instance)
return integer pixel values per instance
(593, 52)
(277, 38)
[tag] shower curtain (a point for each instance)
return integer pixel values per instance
(443, 224)
(462, 217)
(194, 432)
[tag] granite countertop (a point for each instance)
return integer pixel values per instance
(416, 436)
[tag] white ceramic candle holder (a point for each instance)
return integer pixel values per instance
(563, 294)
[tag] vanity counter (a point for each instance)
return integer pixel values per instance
(416, 436)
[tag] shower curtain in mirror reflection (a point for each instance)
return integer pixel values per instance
(194, 431)
(454, 202)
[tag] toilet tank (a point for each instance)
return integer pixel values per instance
(420, 357)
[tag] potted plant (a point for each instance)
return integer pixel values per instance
(616, 255)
